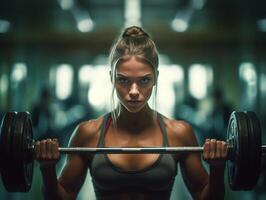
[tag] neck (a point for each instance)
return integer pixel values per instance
(136, 122)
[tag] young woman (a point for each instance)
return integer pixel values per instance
(132, 123)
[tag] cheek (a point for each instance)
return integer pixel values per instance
(148, 91)
(120, 92)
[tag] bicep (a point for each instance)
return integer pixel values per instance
(194, 174)
(73, 174)
(74, 171)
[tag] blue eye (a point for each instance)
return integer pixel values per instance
(144, 80)
(122, 80)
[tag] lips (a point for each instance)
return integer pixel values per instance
(134, 102)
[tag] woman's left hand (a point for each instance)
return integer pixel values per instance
(215, 152)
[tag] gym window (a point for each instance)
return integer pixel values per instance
(199, 77)
(95, 86)
(63, 81)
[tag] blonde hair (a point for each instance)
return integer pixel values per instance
(133, 41)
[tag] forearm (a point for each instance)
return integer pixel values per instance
(51, 188)
(215, 187)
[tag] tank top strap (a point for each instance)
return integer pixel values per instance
(163, 129)
(107, 120)
(104, 127)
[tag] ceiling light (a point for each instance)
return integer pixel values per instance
(132, 13)
(4, 26)
(85, 25)
(179, 25)
(66, 4)
(262, 25)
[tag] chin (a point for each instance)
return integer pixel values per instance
(134, 110)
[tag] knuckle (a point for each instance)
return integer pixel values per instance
(43, 142)
(55, 140)
(55, 143)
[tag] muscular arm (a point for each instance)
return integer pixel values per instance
(52, 189)
(74, 171)
(199, 183)
(215, 153)
(194, 175)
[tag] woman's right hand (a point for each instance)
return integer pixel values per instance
(47, 152)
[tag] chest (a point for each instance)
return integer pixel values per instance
(145, 172)
(156, 177)
(133, 162)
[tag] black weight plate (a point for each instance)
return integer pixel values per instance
(7, 130)
(243, 172)
(22, 134)
(238, 130)
(254, 154)
(5, 125)
(27, 152)
(232, 133)
(21, 170)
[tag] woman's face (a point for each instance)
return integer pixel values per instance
(134, 82)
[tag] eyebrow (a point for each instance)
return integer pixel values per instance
(122, 75)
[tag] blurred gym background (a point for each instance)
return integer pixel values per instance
(54, 63)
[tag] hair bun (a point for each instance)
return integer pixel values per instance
(134, 31)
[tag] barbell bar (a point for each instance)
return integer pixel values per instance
(134, 150)
(243, 138)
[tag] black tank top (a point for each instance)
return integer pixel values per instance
(156, 179)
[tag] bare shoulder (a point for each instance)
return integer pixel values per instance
(86, 133)
(180, 132)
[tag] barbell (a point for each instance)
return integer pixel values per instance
(243, 160)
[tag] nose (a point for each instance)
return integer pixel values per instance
(134, 91)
